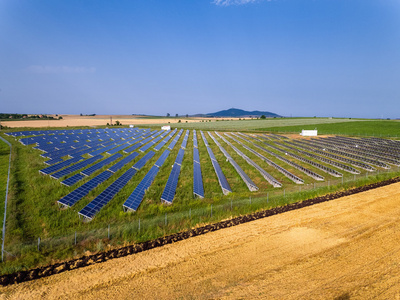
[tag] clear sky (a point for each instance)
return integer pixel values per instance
(337, 58)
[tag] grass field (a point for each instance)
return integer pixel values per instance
(248, 124)
(33, 211)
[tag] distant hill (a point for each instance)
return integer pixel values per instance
(239, 113)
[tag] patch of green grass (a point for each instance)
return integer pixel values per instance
(377, 128)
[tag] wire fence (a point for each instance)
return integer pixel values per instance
(5, 201)
(144, 229)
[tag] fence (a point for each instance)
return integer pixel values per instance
(113, 235)
(5, 202)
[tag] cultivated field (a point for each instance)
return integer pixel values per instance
(343, 249)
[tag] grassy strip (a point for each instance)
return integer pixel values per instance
(4, 158)
(377, 128)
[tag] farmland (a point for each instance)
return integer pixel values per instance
(34, 212)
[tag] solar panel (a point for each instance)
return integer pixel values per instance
(101, 200)
(143, 160)
(123, 162)
(132, 148)
(89, 171)
(162, 158)
(179, 157)
(84, 189)
(134, 200)
(196, 156)
(197, 180)
(53, 161)
(226, 189)
(122, 147)
(76, 167)
(211, 154)
(60, 165)
(101, 150)
(170, 188)
(72, 180)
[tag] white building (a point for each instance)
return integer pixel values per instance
(309, 132)
(167, 127)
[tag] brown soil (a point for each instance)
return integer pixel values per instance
(347, 248)
(98, 120)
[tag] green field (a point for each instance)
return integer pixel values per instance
(33, 211)
(252, 125)
(4, 159)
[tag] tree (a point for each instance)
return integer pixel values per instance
(263, 117)
(187, 116)
(60, 118)
(176, 115)
(118, 123)
(168, 115)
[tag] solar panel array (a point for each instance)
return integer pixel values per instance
(265, 174)
(76, 167)
(198, 189)
(226, 189)
(165, 141)
(126, 160)
(285, 172)
(89, 211)
(141, 162)
(84, 189)
(73, 179)
(172, 182)
(89, 171)
(249, 183)
(59, 166)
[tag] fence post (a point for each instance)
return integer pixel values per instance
(267, 197)
(38, 244)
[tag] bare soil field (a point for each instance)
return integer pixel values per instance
(347, 248)
(98, 120)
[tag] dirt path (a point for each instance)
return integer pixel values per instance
(347, 248)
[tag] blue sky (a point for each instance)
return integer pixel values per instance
(337, 58)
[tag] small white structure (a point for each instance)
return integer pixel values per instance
(309, 132)
(167, 127)
(131, 126)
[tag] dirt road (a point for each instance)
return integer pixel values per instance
(346, 248)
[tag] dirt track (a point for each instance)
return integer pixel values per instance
(348, 247)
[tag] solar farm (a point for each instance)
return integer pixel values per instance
(87, 179)
(92, 160)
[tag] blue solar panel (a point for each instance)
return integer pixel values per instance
(60, 165)
(196, 156)
(76, 167)
(134, 200)
(132, 148)
(123, 162)
(84, 189)
(221, 178)
(72, 180)
(101, 200)
(170, 188)
(172, 144)
(162, 158)
(197, 180)
(89, 171)
(101, 150)
(53, 161)
(140, 163)
(211, 154)
(179, 157)
(146, 147)
(122, 147)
